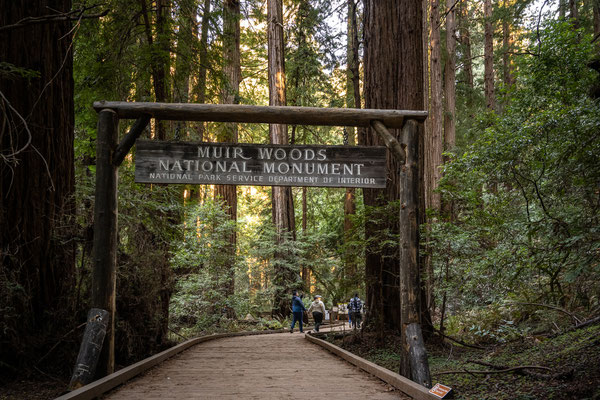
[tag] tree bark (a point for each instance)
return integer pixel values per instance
(160, 56)
(392, 37)
(185, 43)
(507, 69)
(200, 88)
(574, 13)
(465, 40)
(434, 139)
(352, 101)
(596, 17)
(488, 79)
(305, 269)
(37, 250)
(286, 278)
(230, 95)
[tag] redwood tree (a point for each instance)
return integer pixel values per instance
(36, 174)
(282, 201)
(393, 63)
(230, 95)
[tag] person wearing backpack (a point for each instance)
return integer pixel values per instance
(297, 311)
(318, 311)
(354, 309)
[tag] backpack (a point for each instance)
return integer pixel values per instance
(355, 304)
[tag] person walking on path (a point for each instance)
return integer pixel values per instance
(297, 310)
(354, 308)
(318, 311)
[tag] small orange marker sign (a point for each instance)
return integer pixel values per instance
(441, 391)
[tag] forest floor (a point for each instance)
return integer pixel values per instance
(574, 356)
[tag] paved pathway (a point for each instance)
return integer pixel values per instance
(275, 366)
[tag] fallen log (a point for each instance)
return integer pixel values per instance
(524, 370)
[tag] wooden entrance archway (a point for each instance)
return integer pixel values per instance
(110, 154)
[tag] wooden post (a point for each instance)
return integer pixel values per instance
(105, 234)
(127, 143)
(89, 351)
(390, 141)
(419, 365)
(414, 361)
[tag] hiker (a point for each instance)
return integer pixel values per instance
(297, 311)
(349, 314)
(354, 309)
(318, 311)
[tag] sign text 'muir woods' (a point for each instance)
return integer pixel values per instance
(262, 165)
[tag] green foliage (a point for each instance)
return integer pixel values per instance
(203, 264)
(525, 192)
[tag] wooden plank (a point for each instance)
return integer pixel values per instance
(261, 114)
(105, 233)
(113, 380)
(262, 165)
(401, 383)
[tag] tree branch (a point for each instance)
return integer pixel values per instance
(577, 320)
(74, 15)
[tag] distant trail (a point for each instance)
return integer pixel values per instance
(276, 366)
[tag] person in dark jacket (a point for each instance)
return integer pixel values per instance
(297, 311)
(354, 309)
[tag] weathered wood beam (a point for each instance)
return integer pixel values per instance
(129, 140)
(419, 365)
(89, 351)
(105, 233)
(390, 141)
(261, 114)
(414, 361)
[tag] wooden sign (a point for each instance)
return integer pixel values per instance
(441, 391)
(260, 165)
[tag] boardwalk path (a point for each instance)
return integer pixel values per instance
(276, 366)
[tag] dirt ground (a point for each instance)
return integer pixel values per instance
(276, 366)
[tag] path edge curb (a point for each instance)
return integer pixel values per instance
(103, 385)
(398, 381)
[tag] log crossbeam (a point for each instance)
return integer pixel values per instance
(261, 114)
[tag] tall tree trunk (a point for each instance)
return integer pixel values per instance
(185, 43)
(37, 250)
(488, 78)
(200, 88)
(596, 17)
(450, 98)
(160, 56)
(433, 141)
(286, 278)
(392, 37)
(305, 269)
(574, 13)
(507, 69)
(465, 41)
(352, 101)
(450, 83)
(230, 95)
